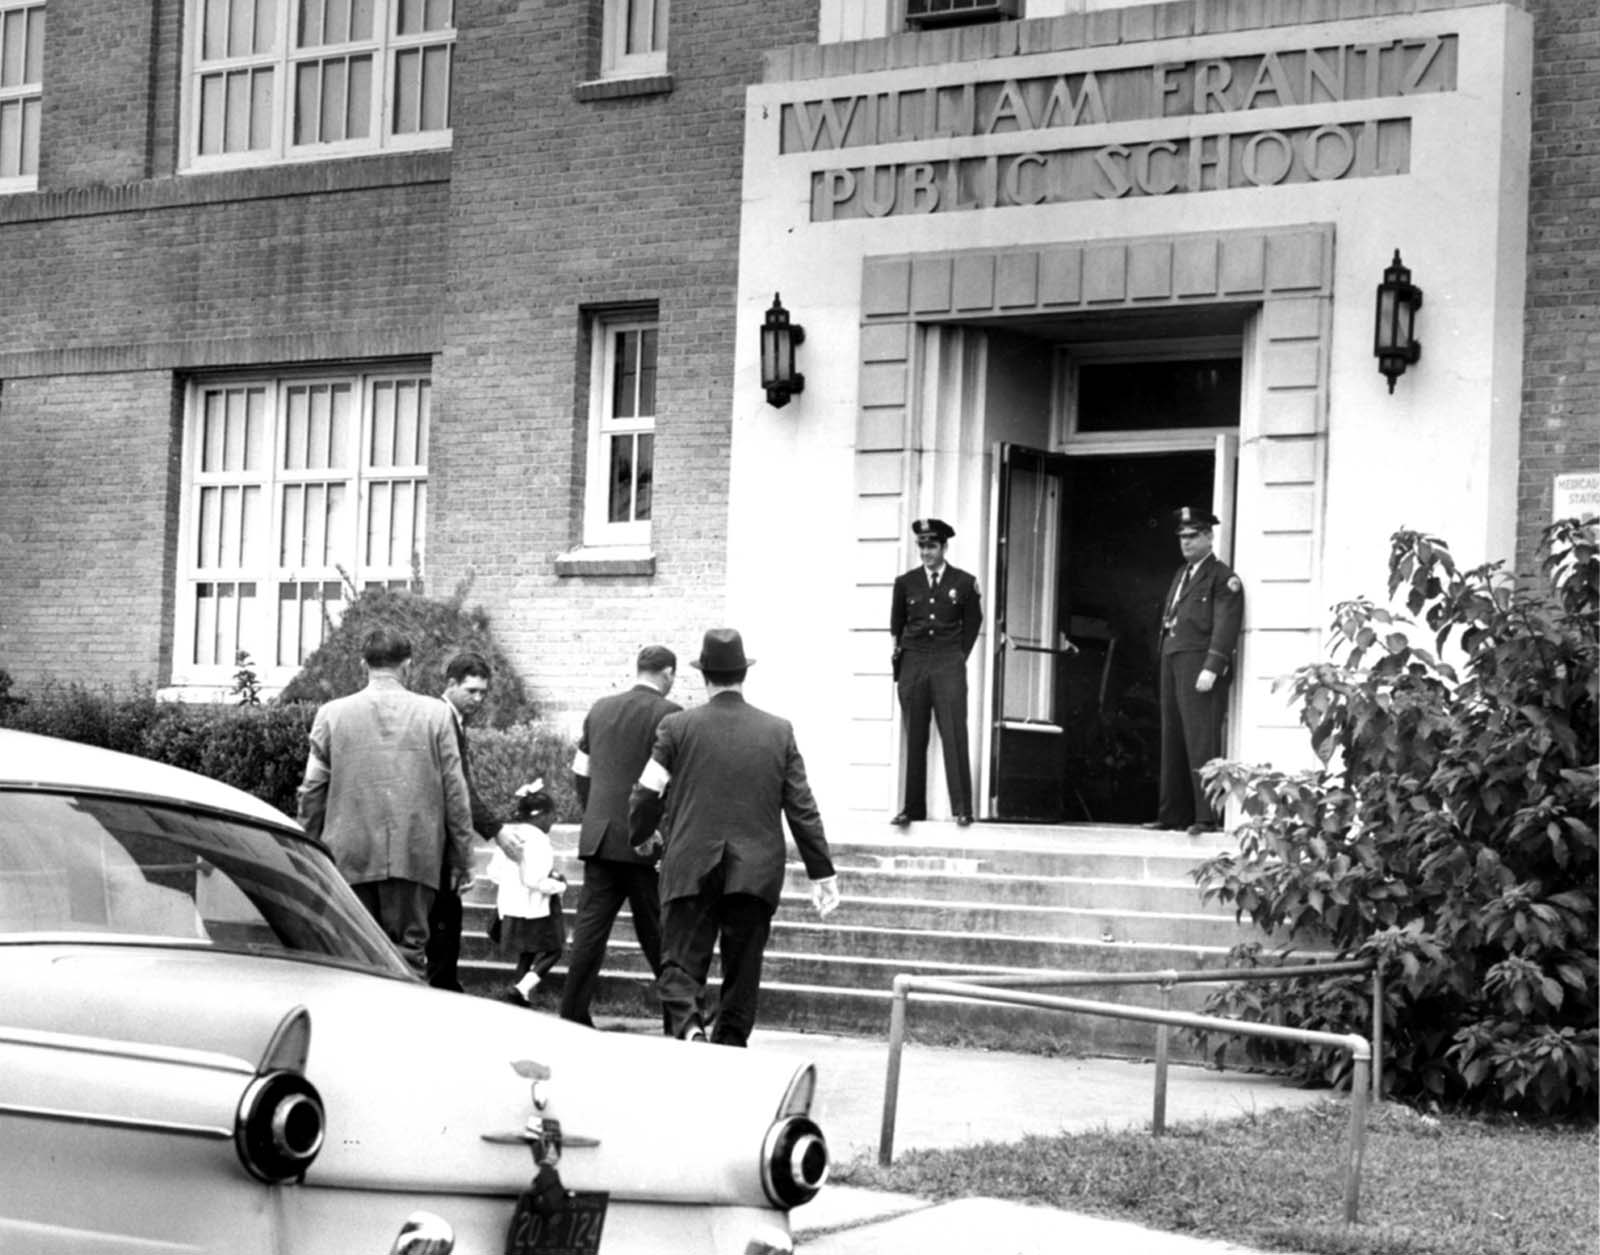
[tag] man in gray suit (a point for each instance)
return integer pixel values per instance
(618, 733)
(724, 772)
(385, 789)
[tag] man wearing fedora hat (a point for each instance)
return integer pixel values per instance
(1201, 615)
(724, 773)
(934, 620)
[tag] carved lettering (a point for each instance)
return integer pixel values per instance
(1205, 87)
(1016, 190)
(1269, 80)
(1144, 176)
(1063, 110)
(1423, 54)
(1366, 148)
(1011, 107)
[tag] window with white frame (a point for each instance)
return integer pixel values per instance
(297, 491)
(634, 38)
(295, 80)
(21, 93)
(622, 430)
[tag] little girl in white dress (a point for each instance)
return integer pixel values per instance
(528, 922)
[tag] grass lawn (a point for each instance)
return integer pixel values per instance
(1429, 1186)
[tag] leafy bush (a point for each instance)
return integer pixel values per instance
(262, 749)
(1451, 833)
(75, 712)
(438, 630)
(504, 758)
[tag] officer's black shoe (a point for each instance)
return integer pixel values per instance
(1155, 825)
(1200, 830)
(902, 820)
(963, 821)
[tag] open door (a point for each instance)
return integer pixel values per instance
(1027, 767)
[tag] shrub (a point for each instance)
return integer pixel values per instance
(504, 758)
(1451, 832)
(75, 712)
(262, 749)
(438, 630)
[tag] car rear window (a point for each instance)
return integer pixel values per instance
(113, 868)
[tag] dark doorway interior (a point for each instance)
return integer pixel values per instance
(1090, 751)
(1119, 556)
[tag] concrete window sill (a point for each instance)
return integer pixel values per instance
(616, 88)
(604, 562)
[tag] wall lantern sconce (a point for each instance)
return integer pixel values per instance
(779, 339)
(1394, 340)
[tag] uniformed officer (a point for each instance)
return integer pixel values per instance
(934, 621)
(1199, 631)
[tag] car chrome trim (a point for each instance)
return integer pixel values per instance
(141, 1123)
(522, 1137)
(146, 1052)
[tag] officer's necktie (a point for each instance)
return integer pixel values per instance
(1183, 585)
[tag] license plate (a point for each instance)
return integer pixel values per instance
(574, 1230)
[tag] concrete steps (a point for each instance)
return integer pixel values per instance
(943, 901)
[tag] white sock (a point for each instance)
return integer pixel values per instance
(528, 984)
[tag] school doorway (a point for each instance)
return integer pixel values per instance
(1085, 551)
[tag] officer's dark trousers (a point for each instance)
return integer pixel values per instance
(690, 928)
(933, 686)
(1191, 735)
(607, 884)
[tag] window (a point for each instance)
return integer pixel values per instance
(634, 38)
(296, 489)
(621, 434)
(293, 80)
(21, 91)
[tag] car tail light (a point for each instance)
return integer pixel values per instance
(279, 1128)
(802, 1090)
(794, 1161)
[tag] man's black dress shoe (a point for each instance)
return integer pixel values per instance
(1200, 830)
(1155, 825)
(963, 821)
(902, 820)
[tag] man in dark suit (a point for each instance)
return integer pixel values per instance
(934, 620)
(724, 772)
(1201, 616)
(466, 685)
(618, 734)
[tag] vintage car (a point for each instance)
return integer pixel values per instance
(207, 1045)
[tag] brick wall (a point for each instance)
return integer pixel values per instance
(1561, 369)
(561, 206)
(95, 119)
(88, 515)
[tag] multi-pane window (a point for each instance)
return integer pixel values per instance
(634, 38)
(297, 491)
(286, 80)
(622, 434)
(21, 91)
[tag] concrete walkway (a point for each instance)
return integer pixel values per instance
(952, 1098)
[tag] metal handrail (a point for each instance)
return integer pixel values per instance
(1365, 1080)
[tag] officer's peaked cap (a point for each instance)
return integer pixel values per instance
(932, 529)
(1188, 516)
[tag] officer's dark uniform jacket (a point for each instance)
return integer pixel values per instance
(1207, 616)
(924, 620)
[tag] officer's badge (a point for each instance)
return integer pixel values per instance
(951, 594)
(1233, 584)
